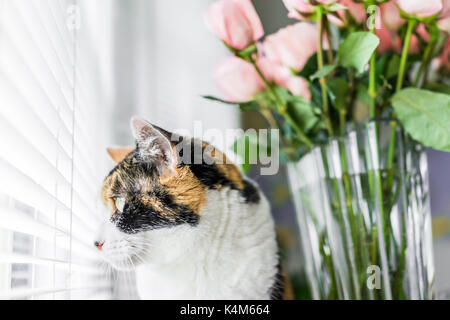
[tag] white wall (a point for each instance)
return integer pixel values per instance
(164, 60)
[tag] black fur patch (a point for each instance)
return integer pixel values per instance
(207, 173)
(210, 176)
(277, 290)
(137, 217)
(250, 193)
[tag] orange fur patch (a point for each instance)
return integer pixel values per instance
(118, 154)
(186, 189)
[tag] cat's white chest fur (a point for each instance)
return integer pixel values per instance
(230, 254)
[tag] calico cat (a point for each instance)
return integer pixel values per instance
(190, 229)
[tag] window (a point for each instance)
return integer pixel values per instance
(52, 134)
(72, 72)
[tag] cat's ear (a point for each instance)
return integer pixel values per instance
(154, 145)
(118, 154)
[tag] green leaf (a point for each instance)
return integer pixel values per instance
(380, 65)
(302, 112)
(300, 109)
(357, 49)
(283, 94)
(325, 71)
(265, 100)
(247, 52)
(335, 7)
(316, 95)
(339, 88)
(425, 115)
(244, 106)
(311, 66)
(219, 100)
(249, 106)
(363, 94)
(393, 65)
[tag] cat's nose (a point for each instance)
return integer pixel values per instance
(99, 245)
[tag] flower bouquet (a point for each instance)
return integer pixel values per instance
(357, 89)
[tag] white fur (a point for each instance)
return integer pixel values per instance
(230, 254)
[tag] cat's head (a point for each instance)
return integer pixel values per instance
(153, 193)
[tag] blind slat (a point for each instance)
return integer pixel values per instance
(31, 125)
(6, 257)
(15, 220)
(29, 192)
(23, 155)
(40, 64)
(25, 293)
(20, 151)
(18, 71)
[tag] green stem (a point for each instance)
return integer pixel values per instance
(269, 118)
(401, 73)
(330, 44)
(426, 60)
(282, 108)
(372, 90)
(322, 81)
(372, 86)
(342, 117)
(329, 264)
(398, 282)
(426, 56)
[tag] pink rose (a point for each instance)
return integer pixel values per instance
(298, 8)
(235, 22)
(445, 9)
(268, 68)
(298, 86)
(420, 8)
(283, 77)
(390, 16)
(444, 24)
(237, 80)
(414, 46)
(389, 41)
(444, 59)
(444, 17)
(302, 9)
(356, 10)
(292, 46)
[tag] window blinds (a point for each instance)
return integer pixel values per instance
(51, 146)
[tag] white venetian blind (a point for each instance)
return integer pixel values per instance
(52, 124)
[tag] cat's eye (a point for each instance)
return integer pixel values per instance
(120, 204)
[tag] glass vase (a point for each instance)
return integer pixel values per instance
(362, 205)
